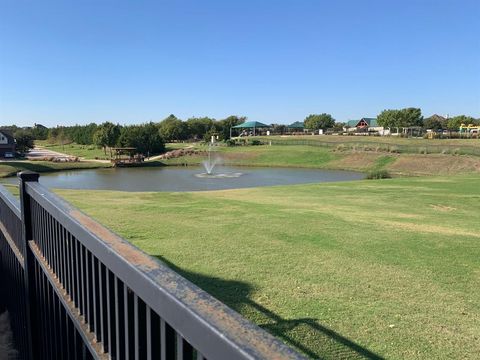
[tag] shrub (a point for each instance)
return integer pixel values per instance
(378, 174)
(255, 142)
(422, 150)
(340, 147)
(230, 142)
(394, 149)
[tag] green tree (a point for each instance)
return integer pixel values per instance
(323, 121)
(39, 132)
(223, 126)
(455, 122)
(106, 135)
(411, 117)
(198, 127)
(279, 129)
(388, 118)
(403, 118)
(24, 140)
(339, 126)
(173, 128)
(145, 138)
(435, 122)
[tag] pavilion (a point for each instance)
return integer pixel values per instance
(249, 125)
(296, 126)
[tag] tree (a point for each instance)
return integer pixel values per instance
(435, 122)
(455, 122)
(198, 127)
(339, 126)
(39, 132)
(411, 117)
(145, 138)
(24, 141)
(323, 121)
(388, 118)
(224, 126)
(106, 135)
(172, 128)
(408, 117)
(279, 129)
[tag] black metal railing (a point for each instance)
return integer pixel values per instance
(79, 291)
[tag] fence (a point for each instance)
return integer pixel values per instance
(75, 290)
(381, 146)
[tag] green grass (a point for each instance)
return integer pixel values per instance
(338, 270)
(10, 168)
(394, 140)
(384, 144)
(332, 158)
(264, 155)
(83, 151)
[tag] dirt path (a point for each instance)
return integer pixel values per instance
(39, 153)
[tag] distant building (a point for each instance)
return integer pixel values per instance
(7, 143)
(364, 125)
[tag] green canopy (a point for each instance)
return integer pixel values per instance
(251, 124)
(296, 125)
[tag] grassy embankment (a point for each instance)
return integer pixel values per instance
(393, 140)
(369, 154)
(10, 168)
(340, 159)
(340, 270)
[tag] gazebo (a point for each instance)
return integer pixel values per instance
(249, 125)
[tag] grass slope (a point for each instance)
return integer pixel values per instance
(82, 151)
(393, 140)
(340, 270)
(10, 168)
(329, 158)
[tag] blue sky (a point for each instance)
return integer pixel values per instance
(66, 62)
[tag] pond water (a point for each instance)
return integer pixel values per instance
(188, 178)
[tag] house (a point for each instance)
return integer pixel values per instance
(364, 125)
(7, 143)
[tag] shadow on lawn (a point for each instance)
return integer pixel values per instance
(24, 165)
(236, 294)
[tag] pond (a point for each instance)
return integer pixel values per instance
(188, 178)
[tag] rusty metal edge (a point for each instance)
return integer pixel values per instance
(73, 312)
(215, 330)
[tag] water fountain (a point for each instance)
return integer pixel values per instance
(210, 163)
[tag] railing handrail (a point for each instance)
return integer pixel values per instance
(12, 202)
(217, 331)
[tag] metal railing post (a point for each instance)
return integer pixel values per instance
(29, 262)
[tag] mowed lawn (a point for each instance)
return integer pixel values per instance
(387, 268)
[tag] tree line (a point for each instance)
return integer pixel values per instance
(146, 138)
(396, 118)
(151, 137)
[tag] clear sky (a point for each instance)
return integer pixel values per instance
(67, 62)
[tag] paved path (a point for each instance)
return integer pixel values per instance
(39, 153)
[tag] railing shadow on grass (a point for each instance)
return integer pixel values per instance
(236, 294)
